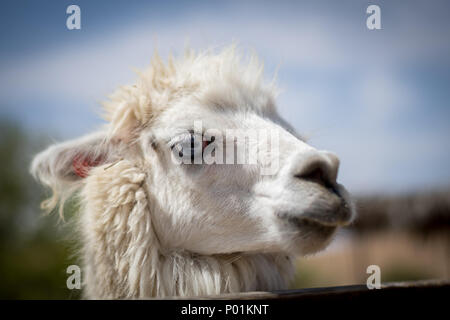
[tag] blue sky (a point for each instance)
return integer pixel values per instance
(379, 99)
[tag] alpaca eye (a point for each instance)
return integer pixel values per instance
(188, 145)
(191, 145)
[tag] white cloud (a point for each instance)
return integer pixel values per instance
(93, 68)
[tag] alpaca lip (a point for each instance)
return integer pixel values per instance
(321, 219)
(332, 218)
(303, 223)
(313, 228)
(331, 209)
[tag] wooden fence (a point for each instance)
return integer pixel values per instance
(430, 290)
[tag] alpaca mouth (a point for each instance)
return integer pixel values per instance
(336, 216)
(313, 226)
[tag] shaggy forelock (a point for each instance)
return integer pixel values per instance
(220, 80)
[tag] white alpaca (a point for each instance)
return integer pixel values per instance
(152, 228)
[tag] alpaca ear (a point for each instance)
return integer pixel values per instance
(71, 161)
(63, 166)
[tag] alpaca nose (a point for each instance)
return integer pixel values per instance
(320, 167)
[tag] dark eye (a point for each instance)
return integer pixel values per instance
(191, 145)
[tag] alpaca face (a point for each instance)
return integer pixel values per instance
(215, 208)
(281, 196)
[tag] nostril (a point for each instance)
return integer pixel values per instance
(315, 174)
(320, 167)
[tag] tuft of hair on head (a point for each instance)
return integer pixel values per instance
(134, 106)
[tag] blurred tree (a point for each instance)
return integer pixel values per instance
(33, 255)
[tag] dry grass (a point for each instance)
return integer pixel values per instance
(401, 256)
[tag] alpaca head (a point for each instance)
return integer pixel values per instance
(222, 172)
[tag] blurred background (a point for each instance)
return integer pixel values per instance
(378, 98)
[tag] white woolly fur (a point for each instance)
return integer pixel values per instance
(150, 228)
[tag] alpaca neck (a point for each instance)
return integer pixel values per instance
(187, 274)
